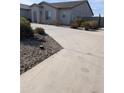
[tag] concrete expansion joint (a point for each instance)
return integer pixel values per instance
(83, 53)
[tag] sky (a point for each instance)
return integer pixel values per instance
(96, 5)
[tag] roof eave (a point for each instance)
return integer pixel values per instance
(72, 6)
(90, 8)
(47, 4)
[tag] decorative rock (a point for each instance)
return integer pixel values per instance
(33, 51)
(41, 47)
(43, 40)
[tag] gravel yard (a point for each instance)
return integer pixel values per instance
(31, 54)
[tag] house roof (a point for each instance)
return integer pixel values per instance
(23, 6)
(59, 5)
(67, 4)
(49, 4)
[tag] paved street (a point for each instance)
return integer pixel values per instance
(78, 68)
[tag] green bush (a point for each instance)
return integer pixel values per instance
(90, 25)
(39, 30)
(25, 28)
(82, 24)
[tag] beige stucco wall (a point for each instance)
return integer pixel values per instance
(53, 14)
(64, 20)
(36, 9)
(82, 10)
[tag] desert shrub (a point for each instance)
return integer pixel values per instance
(76, 24)
(27, 18)
(82, 24)
(25, 28)
(90, 25)
(78, 21)
(39, 30)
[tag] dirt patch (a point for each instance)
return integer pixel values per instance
(31, 54)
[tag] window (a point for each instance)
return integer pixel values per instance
(35, 16)
(48, 15)
(40, 13)
(40, 16)
(63, 15)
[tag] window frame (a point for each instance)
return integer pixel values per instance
(48, 15)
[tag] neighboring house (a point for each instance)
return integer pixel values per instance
(25, 11)
(50, 13)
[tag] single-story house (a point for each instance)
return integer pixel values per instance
(50, 13)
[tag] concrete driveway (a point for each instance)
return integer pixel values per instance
(78, 68)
